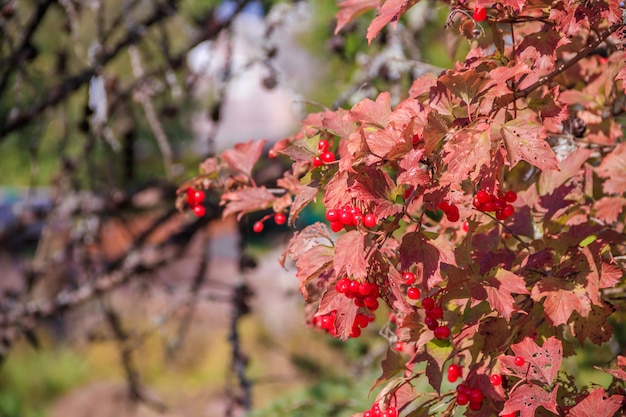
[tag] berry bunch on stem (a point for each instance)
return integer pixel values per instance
(524, 285)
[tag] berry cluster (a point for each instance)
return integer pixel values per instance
(364, 294)
(472, 396)
(348, 216)
(327, 322)
(324, 155)
(279, 218)
(433, 315)
(195, 198)
(500, 205)
(450, 210)
(376, 412)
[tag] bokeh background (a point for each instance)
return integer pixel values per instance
(112, 302)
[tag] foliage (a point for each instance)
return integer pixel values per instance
(532, 109)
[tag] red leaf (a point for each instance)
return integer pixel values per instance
(345, 308)
(303, 240)
(337, 194)
(526, 141)
(619, 371)
(527, 398)
(351, 9)
(372, 113)
(416, 248)
(350, 254)
(610, 275)
(412, 173)
(569, 168)
(247, 200)
(540, 48)
(388, 143)
(389, 12)
(562, 298)
(311, 264)
(467, 151)
(609, 208)
(499, 290)
(613, 169)
(596, 404)
(515, 4)
(541, 362)
(244, 155)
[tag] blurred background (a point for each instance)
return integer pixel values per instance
(112, 302)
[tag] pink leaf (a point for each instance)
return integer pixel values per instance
(351, 9)
(526, 141)
(609, 208)
(350, 254)
(373, 113)
(562, 298)
(499, 290)
(541, 362)
(244, 156)
(247, 200)
(412, 173)
(613, 170)
(597, 404)
(527, 398)
(389, 12)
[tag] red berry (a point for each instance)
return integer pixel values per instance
(280, 218)
(374, 290)
(480, 14)
(361, 320)
(477, 204)
(332, 215)
(327, 157)
(359, 302)
(475, 406)
(354, 286)
(399, 346)
(436, 313)
(322, 146)
(500, 215)
(476, 396)
(369, 220)
(462, 398)
(453, 214)
(408, 277)
(199, 210)
(368, 413)
(513, 414)
(428, 303)
(466, 226)
(510, 196)
(371, 303)
(495, 379)
(258, 227)
(442, 332)
(356, 332)
(364, 288)
(519, 361)
(482, 196)
(464, 389)
(508, 210)
(431, 323)
(454, 372)
(391, 412)
(336, 226)
(488, 206)
(444, 206)
(408, 191)
(452, 377)
(346, 217)
(413, 293)
(342, 285)
(272, 154)
(317, 162)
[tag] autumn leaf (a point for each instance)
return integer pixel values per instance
(351, 9)
(561, 298)
(311, 264)
(597, 404)
(247, 200)
(500, 288)
(372, 113)
(609, 208)
(569, 168)
(613, 170)
(390, 11)
(594, 327)
(393, 364)
(540, 48)
(466, 85)
(244, 156)
(305, 239)
(526, 141)
(345, 309)
(515, 4)
(619, 371)
(527, 398)
(387, 143)
(412, 174)
(416, 248)
(350, 254)
(304, 196)
(466, 151)
(541, 362)
(435, 354)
